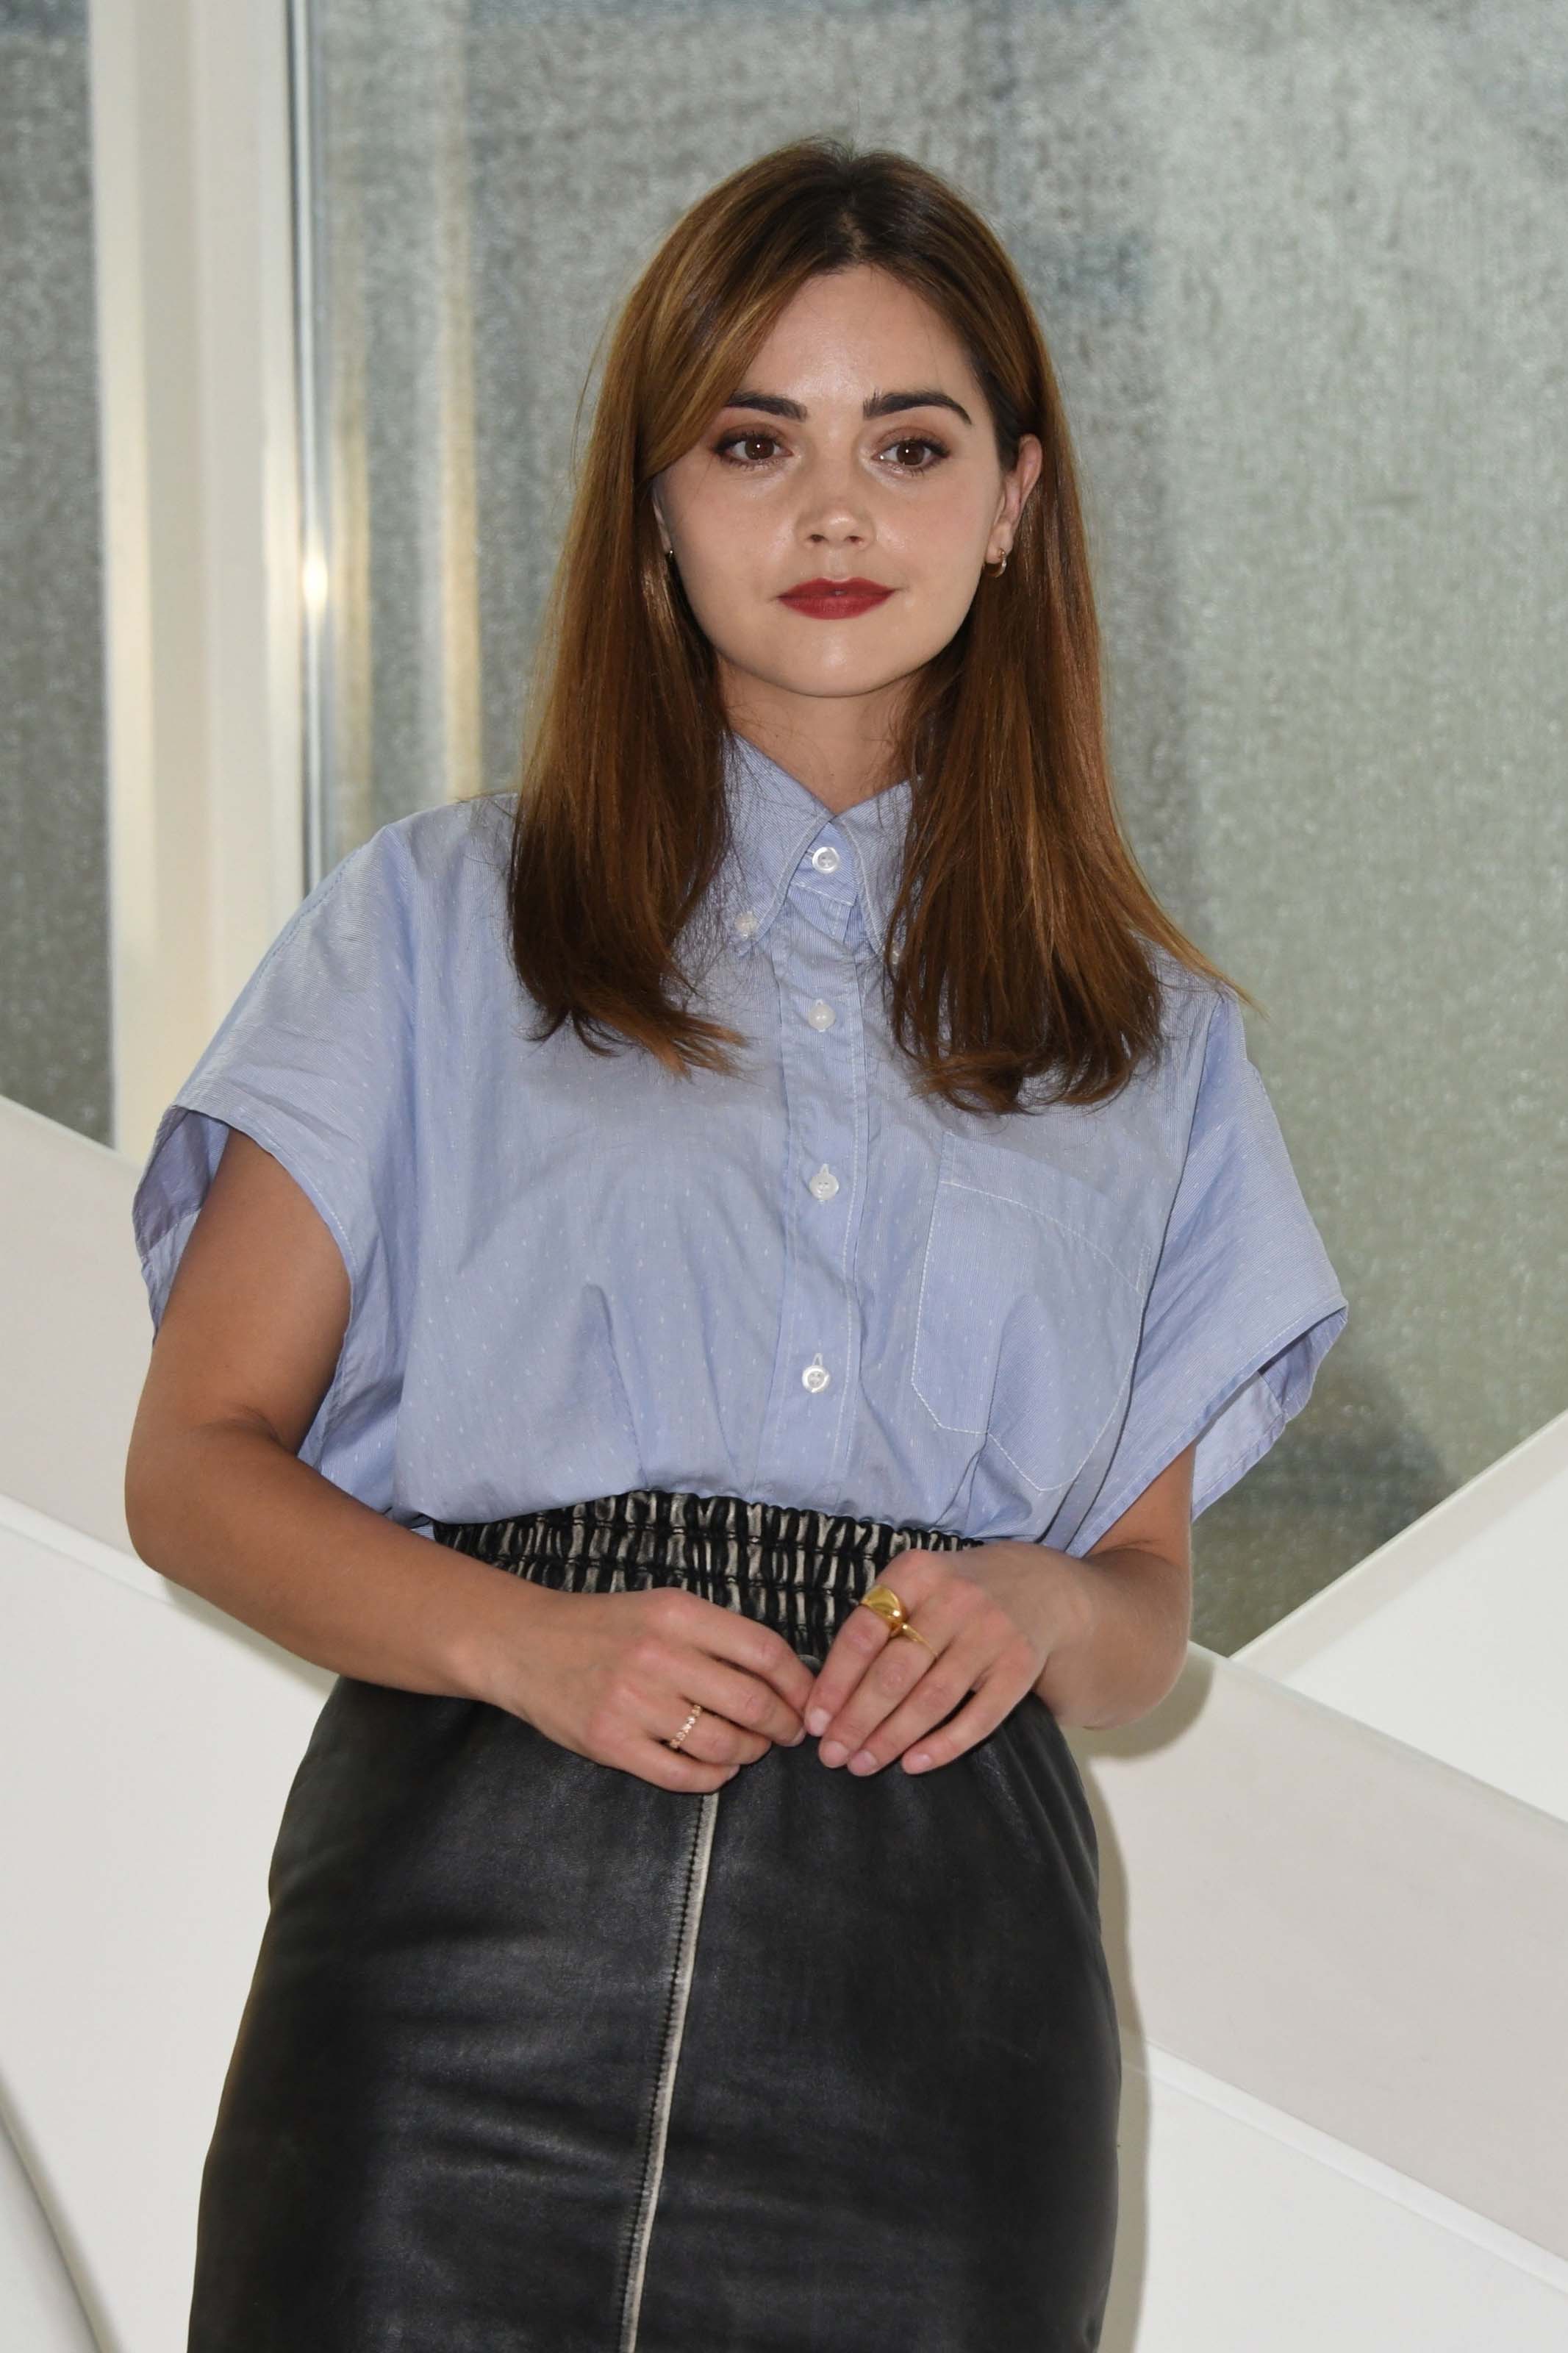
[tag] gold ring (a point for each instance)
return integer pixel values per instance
(885, 1604)
(679, 1736)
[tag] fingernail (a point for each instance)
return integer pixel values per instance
(817, 1719)
(832, 1752)
(862, 1761)
(921, 1756)
(795, 1739)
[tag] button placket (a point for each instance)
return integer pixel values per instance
(826, 1111)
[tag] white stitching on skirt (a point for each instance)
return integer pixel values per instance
(697, 1883)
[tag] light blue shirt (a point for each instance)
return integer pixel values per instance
(571, 1274)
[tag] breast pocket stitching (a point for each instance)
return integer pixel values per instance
(1007, 1301)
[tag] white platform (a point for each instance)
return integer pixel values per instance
(1453, 1635)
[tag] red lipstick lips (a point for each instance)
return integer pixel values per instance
(834, 600)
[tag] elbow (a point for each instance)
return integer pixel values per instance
(138, 1500)
(1138, 1697)
(1135, 1706)
(150, 1480)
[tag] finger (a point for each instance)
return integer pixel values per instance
(863, 1638)
(672, 1768)
(944, 1678)
(968, 1663)
(859, 1642)
(994, 1699)
(689, 1643)
(713, 1738)
(957, 1609)
(652, 1694)
(887, 1684)
(981, 1641)
(737, 1697)
(744, 1641)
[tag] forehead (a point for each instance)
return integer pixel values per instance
(854, 331)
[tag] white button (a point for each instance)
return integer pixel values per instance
(825, 1184)
(746, 923)
(817, 1375)
(822, 1016)
(826, 860)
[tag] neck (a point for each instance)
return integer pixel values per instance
(839, 757)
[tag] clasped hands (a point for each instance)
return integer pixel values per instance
(613, 1675)
(993, 1615)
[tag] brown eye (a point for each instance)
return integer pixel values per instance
(734, 440)
(921, 441)
(746, 436)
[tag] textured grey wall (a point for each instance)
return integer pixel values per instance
(1360, 301)
(1302, 272)
(55, 1045)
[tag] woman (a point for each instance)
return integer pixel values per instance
(781, 1187)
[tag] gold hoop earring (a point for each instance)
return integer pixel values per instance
(999, 571)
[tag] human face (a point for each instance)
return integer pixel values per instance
(792, 482)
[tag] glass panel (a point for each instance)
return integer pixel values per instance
(1303, 276)
(55, 1001)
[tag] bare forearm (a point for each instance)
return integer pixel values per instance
(1130, 1643)
(228, 1512)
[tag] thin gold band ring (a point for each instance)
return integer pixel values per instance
(674, 1739)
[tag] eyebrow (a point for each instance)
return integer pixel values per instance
(879, 404)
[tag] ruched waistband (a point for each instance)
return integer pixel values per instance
(796, 1568)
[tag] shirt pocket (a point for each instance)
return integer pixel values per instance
(1031, 1302)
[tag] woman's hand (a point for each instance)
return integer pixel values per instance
(613, 1675)
(992, 1614)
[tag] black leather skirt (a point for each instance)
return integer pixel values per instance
(540, 2057)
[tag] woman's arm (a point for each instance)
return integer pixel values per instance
(1136, 1590)
(215, 1497)
(1110, 1627)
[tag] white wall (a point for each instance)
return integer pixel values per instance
(202, 690)
(150, 1742)
(39, 2308)
(1259, 2236)
(1452, 1636)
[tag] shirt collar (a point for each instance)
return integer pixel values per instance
(776, 825)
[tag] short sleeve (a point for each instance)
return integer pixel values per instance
(1244, 1304)
(314, 1060)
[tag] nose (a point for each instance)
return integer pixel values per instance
(836, 496)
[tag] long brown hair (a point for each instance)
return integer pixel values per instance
(1020, 943)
